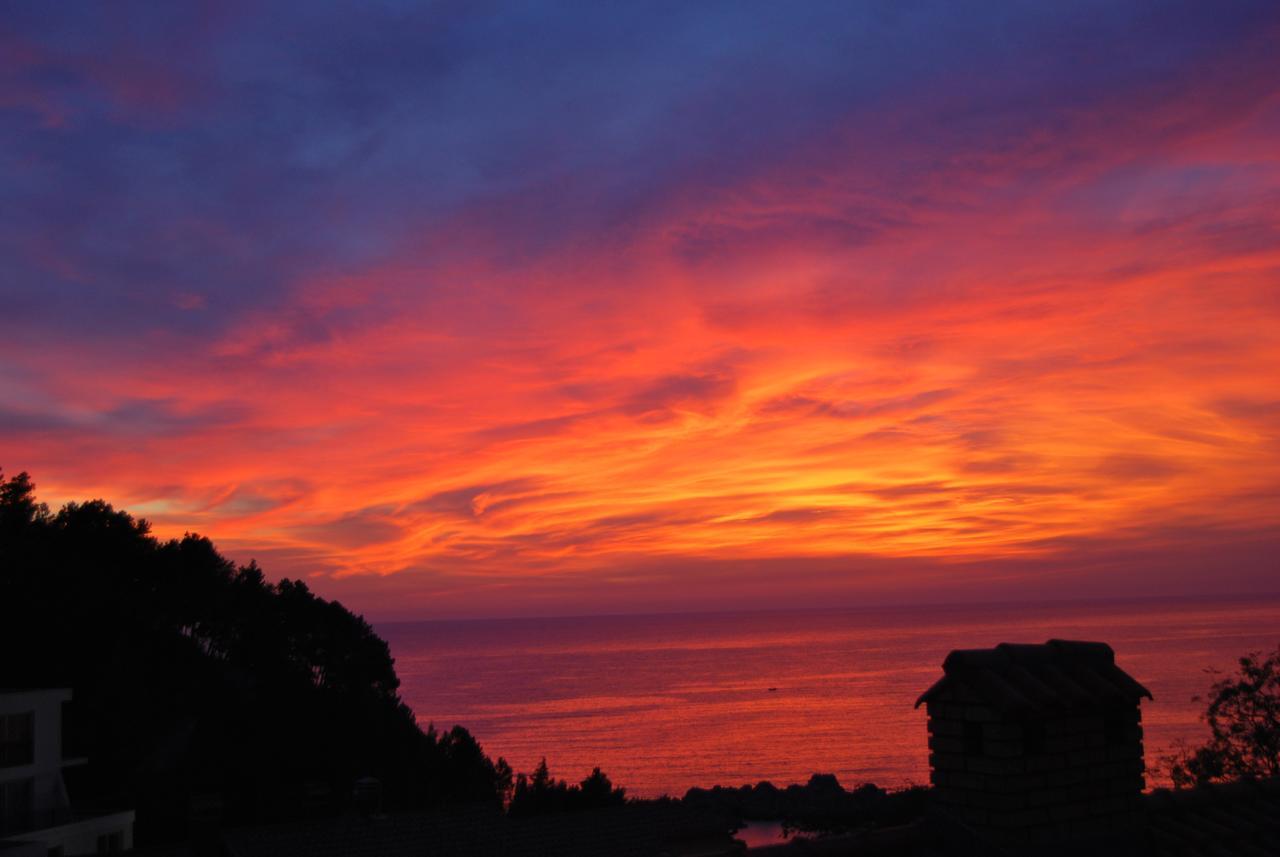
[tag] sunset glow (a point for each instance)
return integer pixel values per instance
(841, 304)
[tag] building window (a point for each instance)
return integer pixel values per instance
(17, 739)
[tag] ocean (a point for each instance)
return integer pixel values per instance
(665, 702)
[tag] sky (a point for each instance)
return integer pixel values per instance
(467, 309)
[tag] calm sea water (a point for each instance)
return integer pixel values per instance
(663, 703)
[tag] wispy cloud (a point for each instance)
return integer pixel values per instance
(578, 304)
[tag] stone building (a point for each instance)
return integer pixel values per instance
(1038, 743)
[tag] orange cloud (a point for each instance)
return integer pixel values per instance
(859, 369)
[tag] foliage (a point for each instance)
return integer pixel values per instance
(195, 678)
(821, 806)
(1243, 716)
(542, 793)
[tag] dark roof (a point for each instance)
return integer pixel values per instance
(627, 831)
(1022, 677)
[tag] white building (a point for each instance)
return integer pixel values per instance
(36, 818)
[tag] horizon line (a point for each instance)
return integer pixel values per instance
(894, 606)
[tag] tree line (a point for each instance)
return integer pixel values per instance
(198, 681)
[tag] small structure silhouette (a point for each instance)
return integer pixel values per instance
(1037, 750)
(1037, 742)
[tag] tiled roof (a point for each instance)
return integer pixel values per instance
(1053, 676)
(628, 831)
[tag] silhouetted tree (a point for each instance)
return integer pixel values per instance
(504, 780)
(597, 790)
(541, 793)
(1243, 715)
(193, 676)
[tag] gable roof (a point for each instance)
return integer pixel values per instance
(1025, 678)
